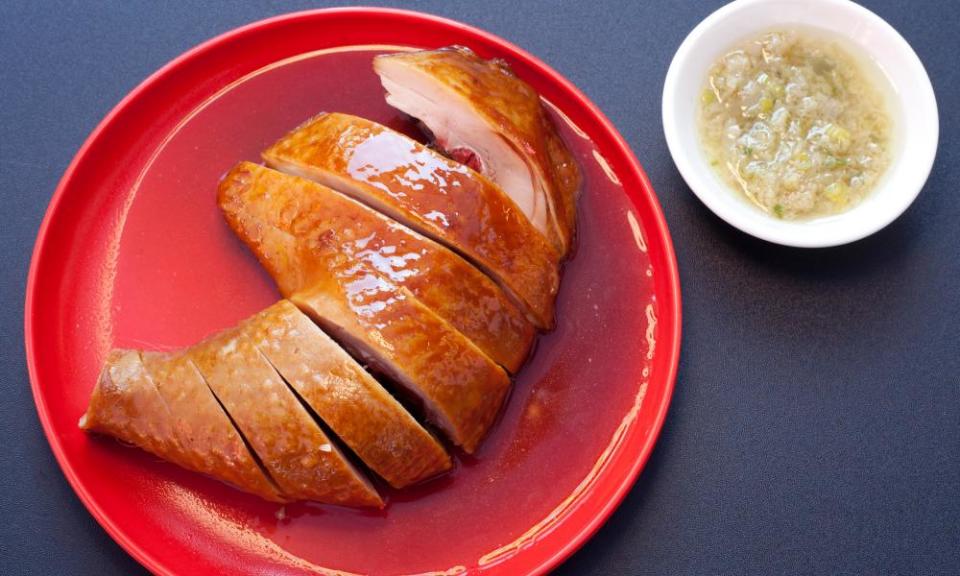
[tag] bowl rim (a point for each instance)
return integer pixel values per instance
(565, 539)
(742, 215)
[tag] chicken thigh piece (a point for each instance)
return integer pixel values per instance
(457, 387)
(208, 440)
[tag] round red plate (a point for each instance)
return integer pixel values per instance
(133, 253)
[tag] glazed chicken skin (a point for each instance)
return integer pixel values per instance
(251, 406)
(355, 406)
(458, 387)
(430, 193)
(220, 408)
(441, 280)
(209, 442)
(481, 113)
(304, 462)
(127, 405)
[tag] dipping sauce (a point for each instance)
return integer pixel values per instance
(795, 122)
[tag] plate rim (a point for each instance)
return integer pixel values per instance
(671, 308)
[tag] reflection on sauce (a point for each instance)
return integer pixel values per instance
(605, 166)
(565, 120)
(651, 331)
(637, 232)
(557, 514)
(251, 538)
(539, 417)
(231, 533)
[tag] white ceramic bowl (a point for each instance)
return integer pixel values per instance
(914, 108)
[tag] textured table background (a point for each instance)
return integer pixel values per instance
(815, 427)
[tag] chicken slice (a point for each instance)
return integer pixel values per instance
(354, 405)
(459, 388)
(432, 194)
(480, 112)
(299, 456)
(324, 221)
(127, 404)
(209, 442)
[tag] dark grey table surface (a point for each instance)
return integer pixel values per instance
(815, 427)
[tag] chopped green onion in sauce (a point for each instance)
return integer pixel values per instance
(792, 121)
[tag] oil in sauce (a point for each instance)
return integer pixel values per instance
(796, 122)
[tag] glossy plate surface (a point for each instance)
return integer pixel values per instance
(133, 252)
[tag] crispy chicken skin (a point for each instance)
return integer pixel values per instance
(354, 405)
(323, 221)
(299, 456)
(480, 110)
(432, 194)
(458, 386)
(208, 440)
(160, 404)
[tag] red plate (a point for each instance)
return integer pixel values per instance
(133, 252)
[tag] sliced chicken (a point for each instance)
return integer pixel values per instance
(354, 405)
(324, 222)
(432, 194)
(127, 405)
(299, 456)
(482, 114)
(209, 443)
(459, 388)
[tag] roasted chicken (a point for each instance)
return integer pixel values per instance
(431, 272)
(303, 461)
(346, 398)
(459, 388)
(249, 389)
(125, 404)
(481, 113)
(325, 222)
(430, 193)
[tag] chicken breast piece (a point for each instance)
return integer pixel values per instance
(208, 440)
(299, 456)
(323, 221)
(430, 193)
(354, 405)
(127, 405)
(459, 388)
(481, 113)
